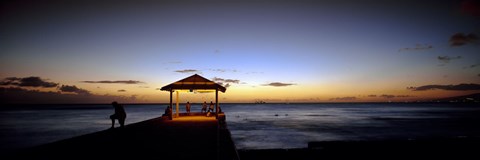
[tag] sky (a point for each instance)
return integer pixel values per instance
(264, 50)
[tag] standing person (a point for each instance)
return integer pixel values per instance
(187, 107)
(119, 114)
(204, 107)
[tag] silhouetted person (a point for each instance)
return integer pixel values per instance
(204, 107)
(168, 112)
(119, 114)
(187, 107)
(211, 107)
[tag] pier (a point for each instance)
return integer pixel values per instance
(185, 137)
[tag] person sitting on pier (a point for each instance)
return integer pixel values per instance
(204, 107)
(210, 109)
(119, 114)
(187, 107)
(168, 112)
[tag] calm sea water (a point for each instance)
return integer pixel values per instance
(254, 126)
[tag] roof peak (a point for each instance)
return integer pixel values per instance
(194, 82)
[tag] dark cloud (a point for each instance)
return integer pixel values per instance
(143, 87)
(216, 79)
(122, 90)
(225, 82)
(459, 87)
(17, 95)
(471, 7)
(387, 96)
(372, 95)
(28, 82)
(343, 99)
(446, 59)
(110, 82)
(227, 85)
(471, 66)
(73, 89)
(417, 47)
(278, 84)
(460, 39)
(187, 71)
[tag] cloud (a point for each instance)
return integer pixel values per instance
(223, 70)
(120, 82)
(73, 89)
(459, 87)
(28, 82)
(446, 59)
(218, 70)
(122, 90)
(372, 95)
(187, 71)
(225, 82)
(17, 95)
(227, 85)
(417, 47)
(343, 99)
(388, 96)
(216, 79)
(278, 84)
(471, 66)
(460, 39)
(470, 7)
(404, 96)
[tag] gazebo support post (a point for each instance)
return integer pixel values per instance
(177, 110)
(171, 92)
(216, 103)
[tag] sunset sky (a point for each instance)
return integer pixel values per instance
(275, 51)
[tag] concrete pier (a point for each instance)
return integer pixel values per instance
(185, 137)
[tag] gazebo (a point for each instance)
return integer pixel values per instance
(194, 82)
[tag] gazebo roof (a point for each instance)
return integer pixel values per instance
(194, 82)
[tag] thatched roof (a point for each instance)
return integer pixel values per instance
(194, 82)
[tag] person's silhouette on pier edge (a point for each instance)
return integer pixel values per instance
(119, 114)
(168, 112)
(211, 107)
(187, 107)
(204, 107)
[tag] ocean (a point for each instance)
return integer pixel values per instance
(255, 126)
